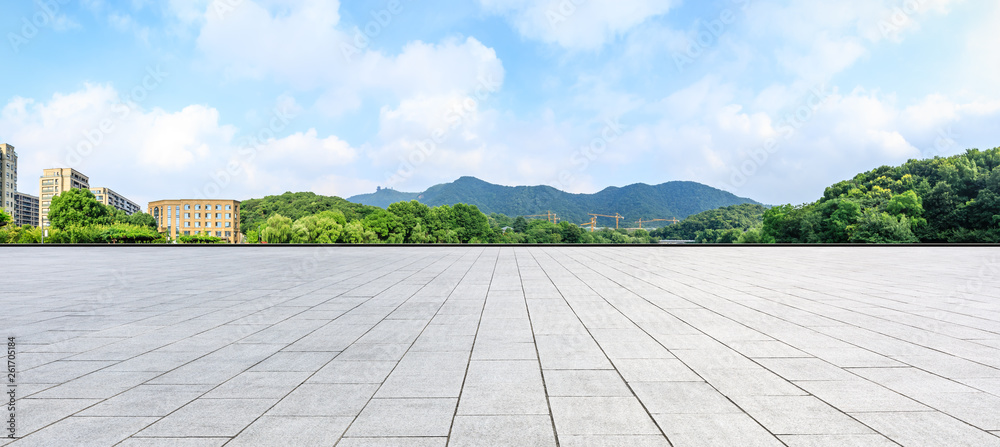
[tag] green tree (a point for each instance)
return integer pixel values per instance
(277, 230)
(520, 224)
(142, 220)
(879, 227)
(322, 228)
(4, 218)
(77, 207)
(470, 223)
(384, 224)
(356, 233)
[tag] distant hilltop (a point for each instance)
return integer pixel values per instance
(639, 201)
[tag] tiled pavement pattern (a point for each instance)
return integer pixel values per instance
(480, 346)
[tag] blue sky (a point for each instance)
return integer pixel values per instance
(768, 99)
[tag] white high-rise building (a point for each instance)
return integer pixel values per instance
(8, 177)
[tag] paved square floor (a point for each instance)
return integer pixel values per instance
(482, 346)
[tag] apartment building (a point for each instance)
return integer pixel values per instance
(55, 181)
(8, 177)
(111, 198)
(26, 209)
(219, 218)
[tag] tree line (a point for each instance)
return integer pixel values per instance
(76, 217)
(415, 223)
(940, 200)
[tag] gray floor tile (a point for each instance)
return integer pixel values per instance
(145, 400)
(682, 398)
(710, 430)
(404, 418)
(354, 371)
(292, 430)
(393, 442)
(655, 370)
(601, 416)
(325, 400)
(613, 441)
(585, 383)
(512, 430)
(925, 429)
(209, 418)
(793, 415)
(708, 339)
(837, 441)
(173, 442)
(86, 431)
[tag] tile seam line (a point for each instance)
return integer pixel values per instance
(589, 333)
(534, 342)
(755, 362)
(415, 260)
(821, 333)
(475, 339)
(372, 398)
(143, 383)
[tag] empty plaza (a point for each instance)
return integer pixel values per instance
(484, 346)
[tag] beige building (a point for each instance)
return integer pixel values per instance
(25, 209)
(55, 181)
(8, 178)
(219, 218)
(111, 198)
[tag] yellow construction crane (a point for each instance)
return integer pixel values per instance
(550, 216)
(592, 224)
(656, 220)
(616, 217)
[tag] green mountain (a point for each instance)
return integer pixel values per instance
(638, 201)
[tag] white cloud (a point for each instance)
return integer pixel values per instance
(821, 38)
(576, 24)
(304, 45)
(155, 154)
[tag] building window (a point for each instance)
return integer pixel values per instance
(187, 207)
(218, 234)
(229, 224)
(218, 207)
(187, 224)
(218, 215)
(229, 215)
(197, 215)
(187, 233)
(187, 215)
(197, 224)
(229, 207)
(197, 207)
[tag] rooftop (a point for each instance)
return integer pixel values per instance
(434, 346)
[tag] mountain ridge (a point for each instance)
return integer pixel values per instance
(676, 199)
